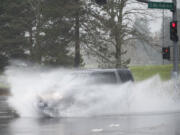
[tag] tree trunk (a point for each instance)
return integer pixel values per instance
(37, 36)
(77, 41)
(31, 44)
(118, 54)
(118, 35)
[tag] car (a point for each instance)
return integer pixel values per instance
(49, 101)
(110, 76)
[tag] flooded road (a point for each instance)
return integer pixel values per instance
(150, 107)
(134, 124)
(165, 124)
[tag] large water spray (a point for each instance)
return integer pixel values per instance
(72, 96)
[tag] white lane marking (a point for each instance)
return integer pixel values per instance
(114, 125)
(97, 130)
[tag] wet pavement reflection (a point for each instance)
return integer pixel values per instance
(162, 124)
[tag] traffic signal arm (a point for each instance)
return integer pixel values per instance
(143, 1)
(101, 2)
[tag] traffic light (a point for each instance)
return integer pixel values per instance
(173, 31)
(101, 2)
(166, 53)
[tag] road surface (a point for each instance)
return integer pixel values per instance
(144, 124)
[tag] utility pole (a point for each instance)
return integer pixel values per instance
(175, 71)
(163, 34)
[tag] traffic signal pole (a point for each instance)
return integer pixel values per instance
(173, 7)
(175, 71)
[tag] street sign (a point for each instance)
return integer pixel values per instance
(161, 5)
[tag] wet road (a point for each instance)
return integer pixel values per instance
(151, 124)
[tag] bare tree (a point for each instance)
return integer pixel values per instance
(110, 27)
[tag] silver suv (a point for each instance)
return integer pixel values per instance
(110, 76)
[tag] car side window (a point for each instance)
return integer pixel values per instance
(104, 77)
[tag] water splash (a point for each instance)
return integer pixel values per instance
(76, 97)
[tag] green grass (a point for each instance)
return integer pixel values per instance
(144, 72)
(4, 86)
